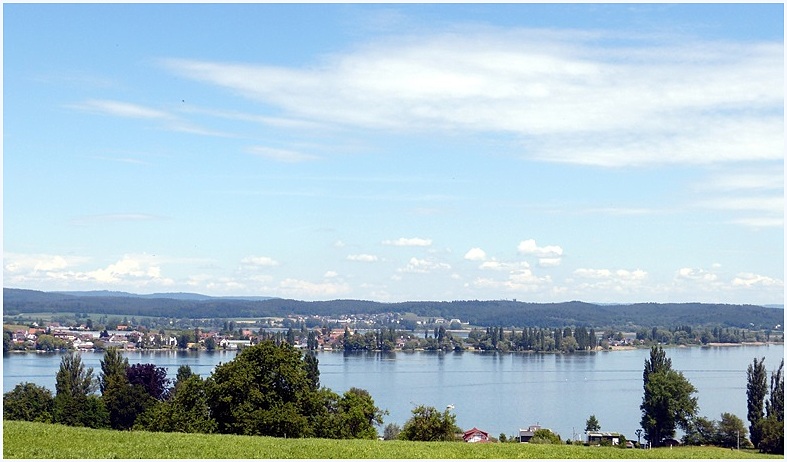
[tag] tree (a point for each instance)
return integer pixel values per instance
(73, 384)
(701, 431)
(428, 424)
(151, 377)
(775, 404)
(125, 402)
(545, 436)
(184, 372)
(28, 401)
(756, 388)
(772, 437)
(391, 432)
(210, 344)
(113, 364)
(187, 411)
(592, 425)
(357, 415)
(263, 391)
(731, 431)
(311, 365)
(667, 402)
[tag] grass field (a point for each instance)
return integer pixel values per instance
(29, 440)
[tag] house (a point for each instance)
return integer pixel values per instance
(475, 435)
(526, 434)
(597, 438)
(234, 344)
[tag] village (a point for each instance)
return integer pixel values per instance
(344, 334)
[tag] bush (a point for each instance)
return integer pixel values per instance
(545, 436)
(28, 401)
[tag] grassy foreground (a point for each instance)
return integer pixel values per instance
(29, 440)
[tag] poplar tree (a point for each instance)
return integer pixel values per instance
(756, 388)
(667, 403)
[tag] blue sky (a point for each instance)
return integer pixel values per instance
(606, 153)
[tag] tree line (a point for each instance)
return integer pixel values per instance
(267, 389)
(477, 312)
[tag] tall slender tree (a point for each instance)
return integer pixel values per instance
(756, 388)
(667, 402)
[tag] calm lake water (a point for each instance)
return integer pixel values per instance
(498, 393)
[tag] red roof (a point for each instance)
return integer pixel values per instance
(469, 433)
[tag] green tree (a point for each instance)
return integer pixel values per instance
(428, 424)
(28, 401)
(125, 402)
(8, 342)
(731, 431)
(263, 391)
(545, 436)
(358, 415)
(775, 405)
(113, 364)
(311, 365)
(667, 403)
(701, 431)
(187, 411)
(756, 389)
(772, 427)
(184, 372)
(592, 425)
(73, 384)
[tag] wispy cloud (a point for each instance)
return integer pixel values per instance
(408, 242)
(363, 257)
(570, 96)
(167, 120)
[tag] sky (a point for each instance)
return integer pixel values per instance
(613, 153)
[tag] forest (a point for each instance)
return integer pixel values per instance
(479, 313)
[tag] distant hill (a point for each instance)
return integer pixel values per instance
(170, 295)
(480, 313)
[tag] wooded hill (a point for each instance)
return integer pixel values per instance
(479, 313)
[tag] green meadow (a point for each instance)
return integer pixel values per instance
(31, 440)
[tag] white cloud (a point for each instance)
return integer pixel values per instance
(330, 275)
(280, 155)
(17, 263)
(495, 265)
(363, 257)
(255, 261)
(408, 242)
(694, 274)
(168, 120)
(570, 96)
(548, 256)
(611, 282)
(548, 262)
(751, 280)
(416, 265)
(122, 109)
(131, 271)
(475, 254)
(518, 280)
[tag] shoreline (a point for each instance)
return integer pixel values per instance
(421, 350)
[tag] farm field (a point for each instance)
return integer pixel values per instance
(30, 440)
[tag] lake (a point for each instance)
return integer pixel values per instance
(498, 393)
